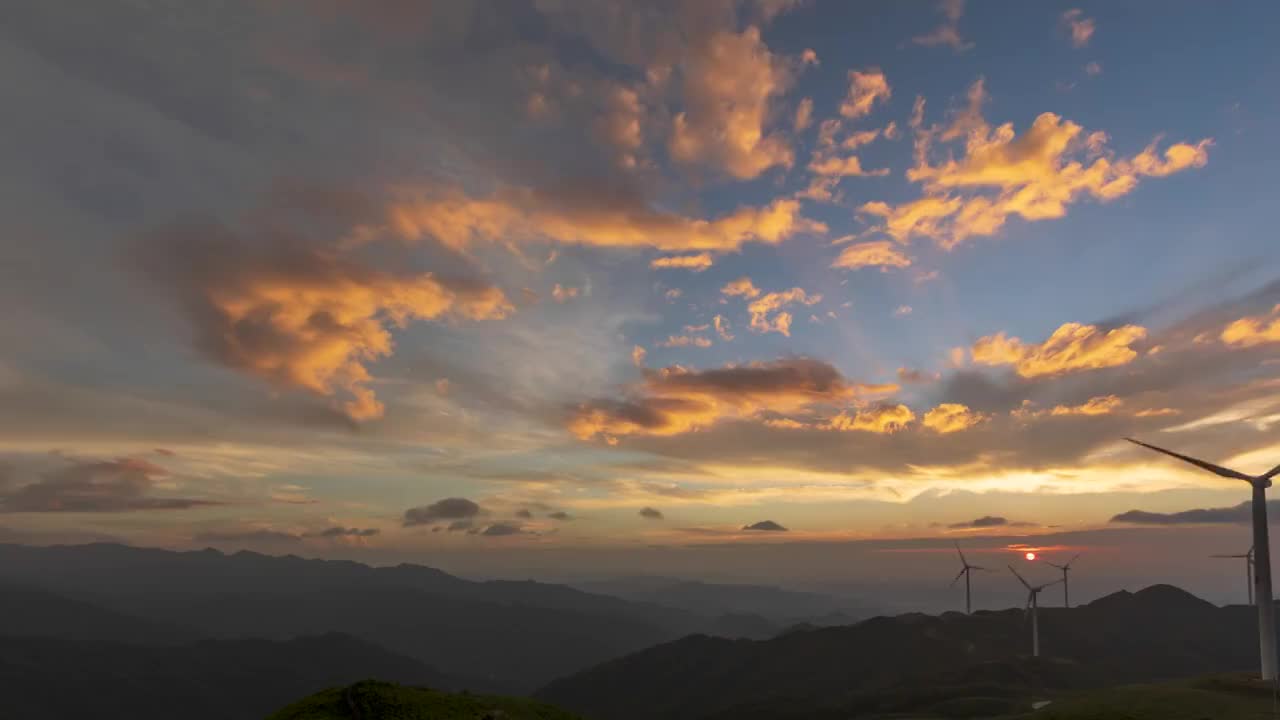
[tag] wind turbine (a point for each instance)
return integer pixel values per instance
(1066, 568)
(966, 570)
(1261, 550)
(1248, 569)
(1033, 606)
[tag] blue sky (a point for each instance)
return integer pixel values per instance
(272, 270)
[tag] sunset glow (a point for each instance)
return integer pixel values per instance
(480, 284)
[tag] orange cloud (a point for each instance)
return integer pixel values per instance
(804, 114)
(317, 323)
(1035, 176)
(1081, 27)
(952, 417)
(730, 80)
(865, 88)
(880, 253)
(619, 125)
(765, 310)
(884, 419)
(722, 328)
(638, 354)
(459, 221)
(849, 166)
(685, 341)
(676, 400)
(1102, 405)
(1251, 331)
(562, 294)
(742, 287)
(1072, 347)
(696, 263)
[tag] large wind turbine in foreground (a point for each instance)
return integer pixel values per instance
(1066, 568)
(1261, 552)
(1033, 606)
(966, 570)
(1248, 569)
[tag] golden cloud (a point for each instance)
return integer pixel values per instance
(1102, 405)
(766, 314)
(1071, 348)
(685, 341)
(458, 221)
(865, 88)
(804, 114)
(729, 82)
(850, 166)
(952, 417)
(742, 287)
(1255, 330)
(675, 400)
(1035, 176)
(314, 322)
(1080, 27)
(880, 253)
(722, 328)
(696, 263)
(884, 419)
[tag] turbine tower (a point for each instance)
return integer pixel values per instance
(1066, 568)
(966, 570)
(1261, 550)
(1033, 606)
(1248, 569)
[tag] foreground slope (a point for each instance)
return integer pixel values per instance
(1219, 697)
(912, 662)
(377, 700)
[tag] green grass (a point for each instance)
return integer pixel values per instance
(1224, 697)
(375, 700)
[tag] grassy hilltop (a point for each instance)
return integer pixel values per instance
(375, 700)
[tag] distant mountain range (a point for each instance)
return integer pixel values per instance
(778, 606)
(377, 700)
(500, 636)
(909, 662)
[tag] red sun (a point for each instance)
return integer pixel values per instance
(1031, 556)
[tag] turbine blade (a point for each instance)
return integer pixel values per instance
(960, 552)
(1072, 560)
(1060, 567)
(979, 567)
(1271, 473)
(1021, 579)
(1215, 469)
(956, 579)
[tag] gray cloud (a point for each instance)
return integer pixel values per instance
(989, 521)
(651, 513)
(765, 526)
(524, 514)
(560, 515)
(501, 530)
(457, 509)
(337, 532)
(98, 486)
(1237, 514)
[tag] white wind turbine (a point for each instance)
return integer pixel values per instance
(1248, 569)
(966, 570)
(1033, 606)
(1261, 550)
(1066, 568)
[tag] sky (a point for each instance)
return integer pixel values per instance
(753, 289)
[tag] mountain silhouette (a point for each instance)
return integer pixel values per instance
(377, 700)
(501, 636)
(55, 679)
(898, 663)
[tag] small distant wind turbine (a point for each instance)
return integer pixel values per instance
(966, 570)
(1261, 550)
(1066, 568)
(1248, 569)
(1033, 606)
